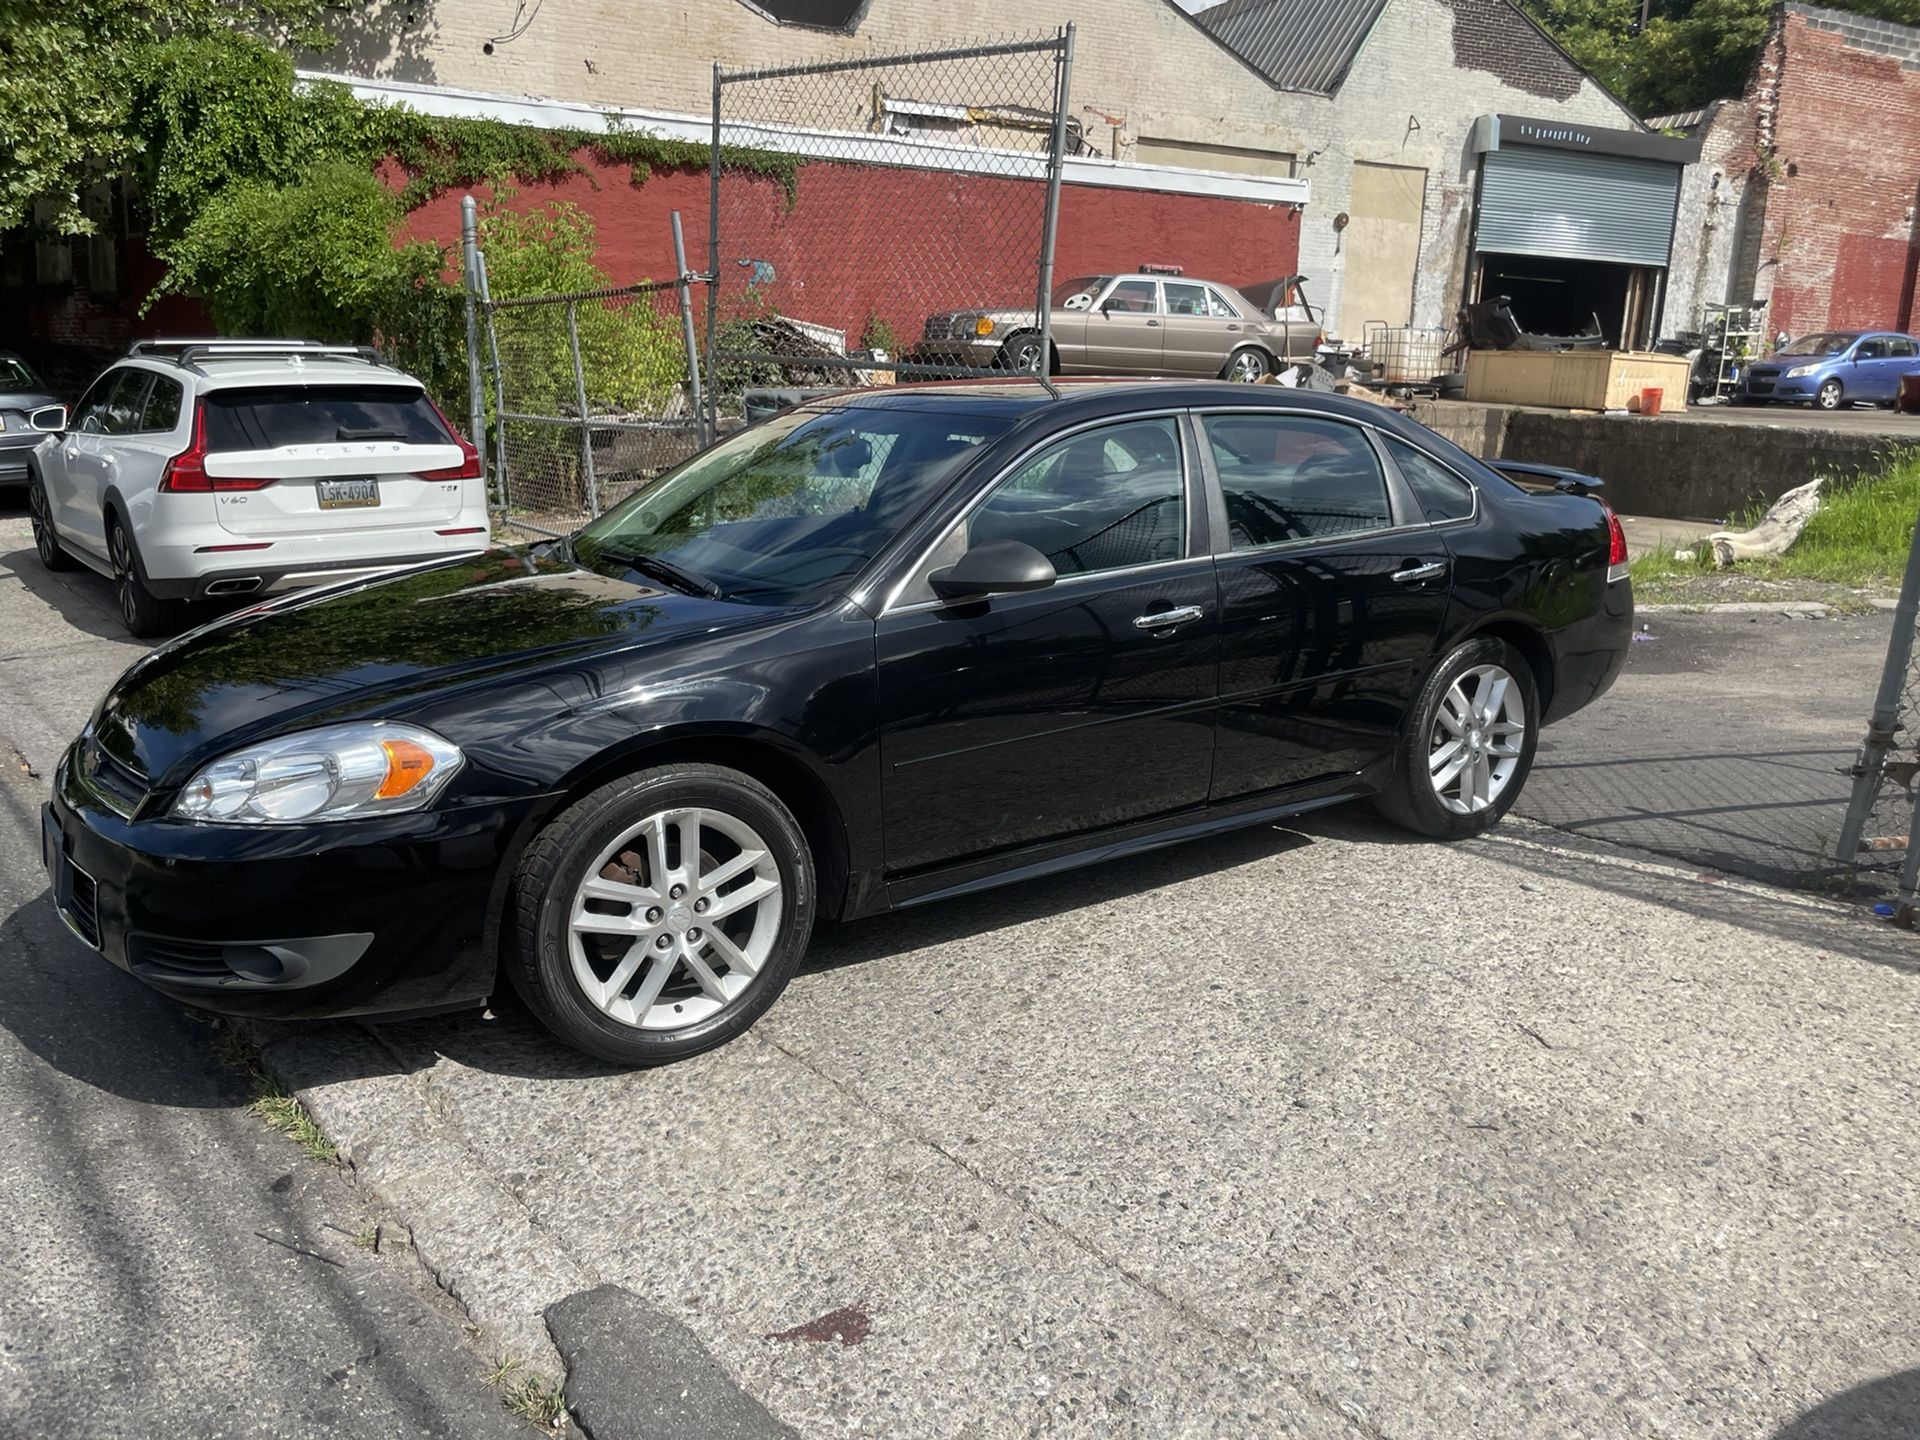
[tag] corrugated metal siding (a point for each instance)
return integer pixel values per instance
(1577, 207)
(1297, 44)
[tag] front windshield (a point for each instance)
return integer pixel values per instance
(1087, 285)
(15, 376)
(1821, 344)
(790, 510)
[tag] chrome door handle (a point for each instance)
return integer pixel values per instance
(1417, 574)
(1167, 619)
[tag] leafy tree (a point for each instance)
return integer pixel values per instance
(68, 74)
(1689, 53)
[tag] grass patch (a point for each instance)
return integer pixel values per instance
(1858, 537)
(528, 1396)
(271, 1103)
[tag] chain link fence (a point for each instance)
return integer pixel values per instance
(1880, 837)
(587, 395)
(884, 218)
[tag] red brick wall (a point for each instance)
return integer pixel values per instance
(902, 244)
(1842, 234)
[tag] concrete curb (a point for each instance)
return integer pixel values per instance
(1808, 609)
(473, 1234)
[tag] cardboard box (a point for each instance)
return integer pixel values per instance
(1576, 379)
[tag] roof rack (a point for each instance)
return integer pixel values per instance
(188, 353)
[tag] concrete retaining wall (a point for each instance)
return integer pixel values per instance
(1671, 468)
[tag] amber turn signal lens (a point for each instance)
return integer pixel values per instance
(407, 765)
(983, 326)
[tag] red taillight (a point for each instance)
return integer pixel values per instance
(186, 473)
(1616, 538)
(469, 466)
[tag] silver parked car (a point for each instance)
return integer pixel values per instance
(1139, 324)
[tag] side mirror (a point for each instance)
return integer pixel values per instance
(994, 567)
(1106, 307)
(48, 419)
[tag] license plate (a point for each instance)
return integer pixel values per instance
(349, 494)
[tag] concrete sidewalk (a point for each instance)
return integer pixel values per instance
(1649, 535)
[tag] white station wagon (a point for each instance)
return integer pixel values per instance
(195, 469)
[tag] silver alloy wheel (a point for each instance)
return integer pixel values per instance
(1479, 734)
(42, 525)
(1248, 366)
(675, 919)
(1829, 395)
(1025, 355)
(120, 556)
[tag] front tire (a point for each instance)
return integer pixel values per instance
(1830, 396)
(1022, 354)
(46, 539)
(1468, 744)
(148, 617)
(660, 915)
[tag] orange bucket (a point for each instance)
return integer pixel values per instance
(1650, 401)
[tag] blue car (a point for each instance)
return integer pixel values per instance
(1834, 368)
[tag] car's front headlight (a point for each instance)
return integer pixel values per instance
(339, 772)
(1799, 371)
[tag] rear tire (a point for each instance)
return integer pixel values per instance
(148, 617)
(619, 928)
(1467, 745)
(1248, 365)
(46, 539)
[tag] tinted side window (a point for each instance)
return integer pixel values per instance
(1442, 494)
(1289, 477)
(163, 405)
(1099, 501)
(1871, 350)
(267, 419)
(1139, 297)
(87, 415)
(1900, 347)
(121, 415)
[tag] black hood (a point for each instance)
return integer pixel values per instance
(384, 648)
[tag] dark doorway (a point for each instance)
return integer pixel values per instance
(1569, 297)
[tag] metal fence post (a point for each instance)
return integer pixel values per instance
(1049, 226)
(686, 325)
(580, 391)
(502, 481)
(1883, 728)
(713, 263)
(472, 283)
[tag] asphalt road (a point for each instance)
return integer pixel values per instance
(168, 1266)
(1308, 1131)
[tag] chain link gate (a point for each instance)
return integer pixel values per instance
(887, 217)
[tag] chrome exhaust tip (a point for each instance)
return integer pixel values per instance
(237, 585)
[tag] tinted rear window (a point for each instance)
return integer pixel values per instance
(266, 419)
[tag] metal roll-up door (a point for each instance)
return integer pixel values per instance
(1571, 206)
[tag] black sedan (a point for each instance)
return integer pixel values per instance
(879, 650)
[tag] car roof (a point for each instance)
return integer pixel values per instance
(1094, 398)
(222, 372)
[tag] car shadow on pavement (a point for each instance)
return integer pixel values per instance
(81, 598)
(1883, 1409)
(88, 1021)
(508, 1042)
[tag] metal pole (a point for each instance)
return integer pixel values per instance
(686, 326)
(502, 481)
(1883, 728)
(580, 393)
(713, 263)
(1056, 166)
(470, 282)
